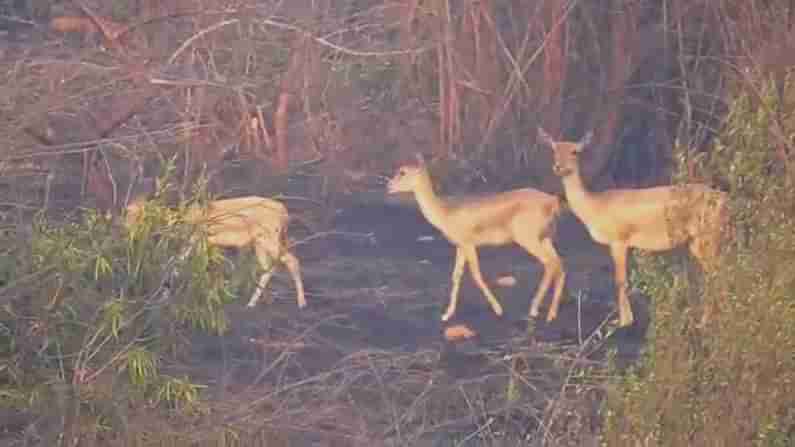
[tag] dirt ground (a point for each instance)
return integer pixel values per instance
(376, 291)
(367, 363)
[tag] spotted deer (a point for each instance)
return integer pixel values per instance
(239, 223)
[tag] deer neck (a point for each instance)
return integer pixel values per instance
(431, 205)
(194, 214)
(577, 195)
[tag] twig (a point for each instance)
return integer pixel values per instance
(517, 77)
(340, 48)
(576, 362)
(368, 236)
(201, 33)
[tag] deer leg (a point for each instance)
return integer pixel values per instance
(538, 252)
(619, 254)
(185, 253)
(266, 262)
(458, 272)
(709, 310)
(173, 273)
(559, 274)
(294, 267)
(261, 285)
(474, 269)
(706, 253)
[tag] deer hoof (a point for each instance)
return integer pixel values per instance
(625, 322)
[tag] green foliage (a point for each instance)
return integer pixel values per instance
(141, 366)
(98, 308)
(179, 393)
(733, 383)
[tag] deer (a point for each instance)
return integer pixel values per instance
(525, 216)
(238, 223)
(654, 219)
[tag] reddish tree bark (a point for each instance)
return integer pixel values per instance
(280, 121)
(477, 51)
(623, 32)
(408, 13)
(623, 37)
(292, 82)
(555, 67)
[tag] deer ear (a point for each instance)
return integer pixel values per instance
(544, 137)
(585, 141)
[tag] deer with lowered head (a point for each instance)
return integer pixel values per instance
(654, 219)
(239, 223)
(524, 216)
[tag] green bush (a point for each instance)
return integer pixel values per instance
(91, 314)
(733, 383)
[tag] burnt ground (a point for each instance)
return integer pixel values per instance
(376, 290)
(421, 261)
(367, 363)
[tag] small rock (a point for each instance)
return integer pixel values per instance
(458, 332)
(506, 281)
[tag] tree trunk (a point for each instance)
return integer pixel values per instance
(623, 32)
(554, 65)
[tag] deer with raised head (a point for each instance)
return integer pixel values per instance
(239, 223)
(655, 219)
(524, 216)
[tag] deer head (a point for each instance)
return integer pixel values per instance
(565, 152)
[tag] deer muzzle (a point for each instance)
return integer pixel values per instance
(391, 188)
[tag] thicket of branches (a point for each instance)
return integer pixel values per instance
(357, 87)
(731, 385)
(327, 93)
